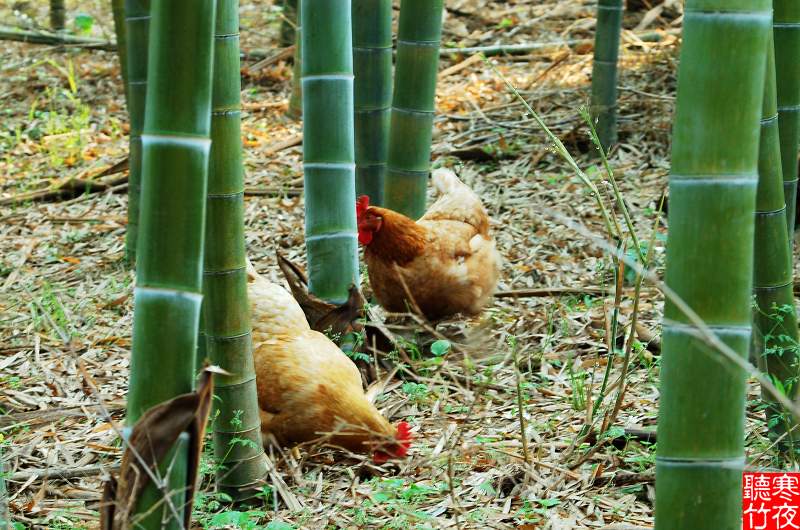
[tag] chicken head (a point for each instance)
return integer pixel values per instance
(368, 221)
(397, 450)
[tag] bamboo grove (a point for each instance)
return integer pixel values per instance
(365, 131)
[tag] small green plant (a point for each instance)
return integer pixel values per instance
(411, 347)
(13, 381)
(334, 337)
(641, 458)
(613, 433)
(549, 337)
(248, 520)
(578, 386)
(441, 348)
(75, 236)
(400, 498)
(351, 346)
(236, 423)
(83, 23)
(533, 511)
(417, 392)
(50, 311)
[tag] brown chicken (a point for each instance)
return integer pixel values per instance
(342, 321)
(307, 388)
(446, 261)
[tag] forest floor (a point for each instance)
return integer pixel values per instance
(66, 292)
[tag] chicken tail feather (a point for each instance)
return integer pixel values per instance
(444, 180)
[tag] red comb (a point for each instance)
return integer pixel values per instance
(404, 438)
(398, 450)
(404, 432)
(362, 203)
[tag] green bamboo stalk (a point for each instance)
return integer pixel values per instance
(413, 106)
(603, 106)
(202, 338)
(137, 24)
(175, 159)
(57, 14)
(288, 23)
(786, 25)
(700, 455)
(118, 10)
(227, 318)
(775, 336)
(328, 157)
(175, 470)
(5, 520)
(295, 110)
(372, 66)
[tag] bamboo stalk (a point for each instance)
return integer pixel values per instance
(775, 337)
(372, 66)
(162, 515)
(137, 24)
(295, 109)
(786, 26)
(201, 356)
(328, 157)
(413, 106)
(176, 146)
(289, 23)
(57, 15)
(604, 71)
(700, 454)
(226, 311)
(118, 10)
(5, 520)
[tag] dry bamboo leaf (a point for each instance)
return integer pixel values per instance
(150, 440)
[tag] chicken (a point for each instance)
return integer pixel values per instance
(446, 260)
(307, 388)
(342, 321)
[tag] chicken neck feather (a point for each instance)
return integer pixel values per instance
(400, 239)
